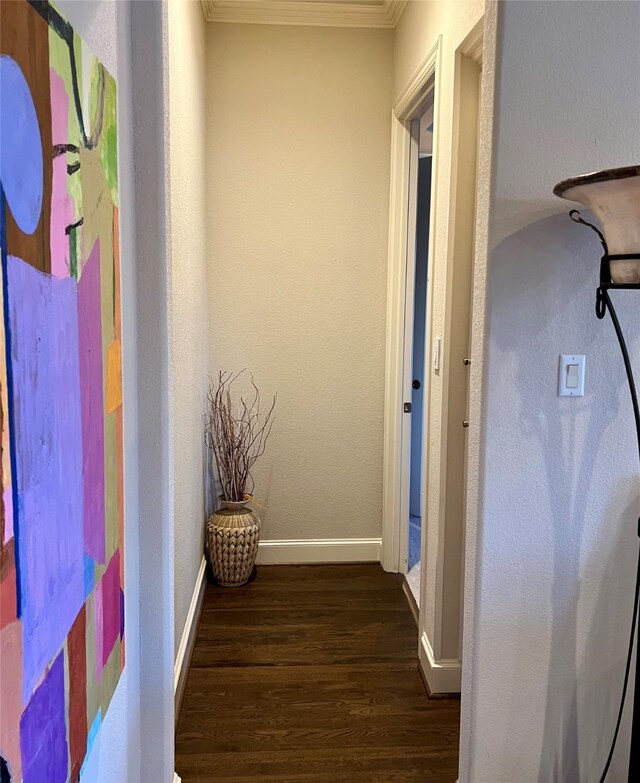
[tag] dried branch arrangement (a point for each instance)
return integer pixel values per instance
(237, 434)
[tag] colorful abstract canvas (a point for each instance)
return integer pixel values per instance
(61, 510)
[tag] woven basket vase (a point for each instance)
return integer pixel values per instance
(233, 534)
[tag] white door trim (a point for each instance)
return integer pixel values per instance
(396, 423)
(188, 638)
(444, 675)
(441, 599)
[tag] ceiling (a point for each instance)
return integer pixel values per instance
(320, 13)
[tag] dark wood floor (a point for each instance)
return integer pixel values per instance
(309, 673)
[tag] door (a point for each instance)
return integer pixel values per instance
(419, 375)
(416, 329)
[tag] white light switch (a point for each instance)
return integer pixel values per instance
(571, 376)
(436, 354)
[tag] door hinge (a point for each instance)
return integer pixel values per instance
(407, 407)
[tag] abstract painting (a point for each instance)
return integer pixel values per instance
(61, 466)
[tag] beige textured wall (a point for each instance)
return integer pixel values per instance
(188, 343)
(298, 187)
(418, 29)
(416, 34)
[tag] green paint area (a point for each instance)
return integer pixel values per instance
(111, 521)
(108, 140)
(73, 253)
(110, 677)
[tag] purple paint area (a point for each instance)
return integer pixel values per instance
(21, 171)
(121, 614)
(110, 606)
(43, 730)
(92, 405)
(48, 443)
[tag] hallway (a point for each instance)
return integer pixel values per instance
(309, 673)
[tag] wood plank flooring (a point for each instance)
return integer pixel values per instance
(309, 675)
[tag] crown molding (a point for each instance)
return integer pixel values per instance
(473, 44)
(408, 100)
(314, 13)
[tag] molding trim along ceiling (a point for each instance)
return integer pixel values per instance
(313, 13)
(474, 43)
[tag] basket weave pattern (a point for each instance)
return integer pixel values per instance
(232, 543)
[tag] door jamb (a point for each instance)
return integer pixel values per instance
(437, 602)
(396, 431)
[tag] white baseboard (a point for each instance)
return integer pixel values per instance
(411, 600)
(442, 676)
(320, 550)
(176, 778)
(183, 656)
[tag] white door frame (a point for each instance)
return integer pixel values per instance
(441, 666)
(484, 35)
(401, 270)
(442, 594)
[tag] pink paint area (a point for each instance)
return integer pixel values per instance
(107, 608)
(62, 215)
(11, 690)
(92, 406)
(7, 503)
(59, 108)
(110, 606)
(62, 205)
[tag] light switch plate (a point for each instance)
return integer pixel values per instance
(571, 375)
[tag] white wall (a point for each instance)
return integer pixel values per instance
(135, 743)
(298, 190)
(415, 36)
(557, 542)
(151, 135)
(189, 348)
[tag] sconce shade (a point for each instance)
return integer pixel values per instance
(613, 195)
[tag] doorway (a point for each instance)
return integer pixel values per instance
(426, 466)
(400, 426)
(418, 335)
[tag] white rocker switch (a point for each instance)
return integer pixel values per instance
(571, 376)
